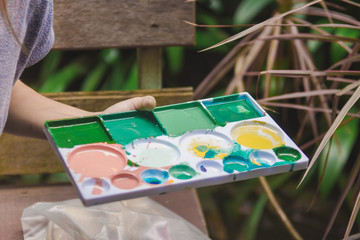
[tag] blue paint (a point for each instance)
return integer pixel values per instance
(154, 176)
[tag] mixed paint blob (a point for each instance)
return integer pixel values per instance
(226, 136)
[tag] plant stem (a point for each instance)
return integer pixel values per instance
(279, 210)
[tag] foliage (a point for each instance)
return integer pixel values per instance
(280, 61)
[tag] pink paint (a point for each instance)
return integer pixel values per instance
(98, 160)
(98, 187)
(125, 181)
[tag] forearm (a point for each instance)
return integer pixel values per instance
(29, 110)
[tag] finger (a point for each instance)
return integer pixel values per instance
(146, 103)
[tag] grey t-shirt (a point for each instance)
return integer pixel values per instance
(32, 22)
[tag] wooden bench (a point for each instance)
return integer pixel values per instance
(92, 24)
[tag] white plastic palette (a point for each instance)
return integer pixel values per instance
(175, 147)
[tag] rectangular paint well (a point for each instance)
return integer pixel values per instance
(128, 126)
(71, 132)
(232, 108)
(178, 119)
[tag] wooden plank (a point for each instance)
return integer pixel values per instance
(14, 200)
(149, 67)
(86, 24)
(21, 155)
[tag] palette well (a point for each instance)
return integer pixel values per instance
(175, 147)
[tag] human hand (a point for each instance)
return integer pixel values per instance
(146, 103)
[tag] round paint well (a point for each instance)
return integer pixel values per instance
(152, 152)
(209, 166)
(125, 181)
(154, 176)
(97, 160)
(182, 172)
(96, 186)
(235, 163)
(287, 153)
(262, 158)
(257, 135)
(206, 144)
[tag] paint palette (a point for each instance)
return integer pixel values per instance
(175, 147)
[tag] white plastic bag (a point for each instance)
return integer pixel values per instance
(140, 218)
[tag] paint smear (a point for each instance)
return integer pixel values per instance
(97, 160)
(128, 126)
(154, 176)
(95, 186)
(182, 172)
(287, 153)
(225, 112)
(262, 158)
(125, 181)
(182, 118)
(207, 144)
(235, 163)
(98, 187)
(208, 166)
(73, 132)
(256, 136)
(152, 152)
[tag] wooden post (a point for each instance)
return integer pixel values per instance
(149, 61)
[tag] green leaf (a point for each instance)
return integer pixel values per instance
(63, 78)
(110, 55)
(93, 80)
(247, 10)
(343, 142)
(132, 80)
(49, 65)
(175, 59)
(338, 52)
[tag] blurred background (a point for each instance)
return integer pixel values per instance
(302, 68)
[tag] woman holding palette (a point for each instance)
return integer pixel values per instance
(26, 36)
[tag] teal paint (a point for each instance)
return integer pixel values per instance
(182, 172)
(231, 109)
(128, 126)
(178, 119)
(235, 163)
(71, 132)
(240, 152)
(209, 152)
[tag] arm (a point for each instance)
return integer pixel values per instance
(29, 110)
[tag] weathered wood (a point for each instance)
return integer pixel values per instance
(86, 24)
(14, 200)
(149, 67)
(20, 155)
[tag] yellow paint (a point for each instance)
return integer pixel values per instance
(257, 137)
(255, 162)
(218, 153)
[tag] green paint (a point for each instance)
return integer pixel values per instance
(202, 148)
(232, 109)
(128, 126)
(182, 172)
(181, 118)
(71, 132)
(287, 153)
